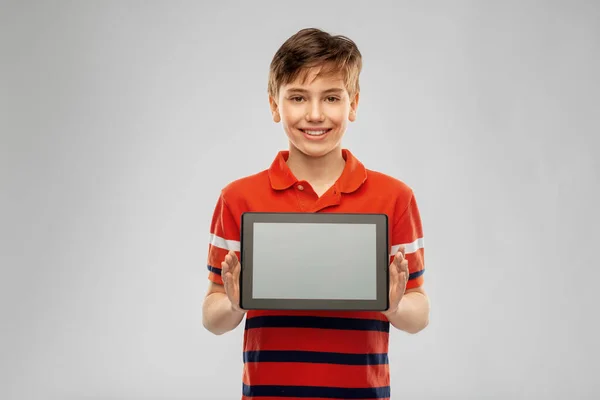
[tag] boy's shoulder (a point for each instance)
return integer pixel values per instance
(239, 187)
(388, 184)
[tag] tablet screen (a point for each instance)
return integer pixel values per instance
(314, 261)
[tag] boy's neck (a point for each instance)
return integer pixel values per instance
(318, 171)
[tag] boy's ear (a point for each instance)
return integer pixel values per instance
(353, 107)
(274, 109)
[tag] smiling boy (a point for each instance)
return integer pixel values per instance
(314, 92)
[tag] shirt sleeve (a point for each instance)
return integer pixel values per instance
(224, 236)
(408, 231)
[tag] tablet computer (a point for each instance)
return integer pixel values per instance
(314, 261)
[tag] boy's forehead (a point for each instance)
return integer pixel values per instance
(317, 78)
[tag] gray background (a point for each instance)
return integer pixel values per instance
(121, 121)
(322, 261)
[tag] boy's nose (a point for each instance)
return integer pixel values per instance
(315, 113)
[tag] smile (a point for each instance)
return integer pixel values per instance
(315, 132)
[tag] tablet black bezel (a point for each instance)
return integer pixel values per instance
(381, 303)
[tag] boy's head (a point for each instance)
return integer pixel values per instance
(314, 89)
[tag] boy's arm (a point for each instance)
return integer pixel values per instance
(218, 314)
(412, 312)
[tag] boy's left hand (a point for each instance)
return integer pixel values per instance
(398, 278)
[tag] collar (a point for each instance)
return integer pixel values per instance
(353, 175)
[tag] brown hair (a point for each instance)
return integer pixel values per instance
(312, 47)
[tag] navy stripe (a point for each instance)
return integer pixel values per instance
(416, 274)
(355, 324)
(315, 357)
(213, 269)
(316, 392)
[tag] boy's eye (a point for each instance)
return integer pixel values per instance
(332, 99)
(297, 99)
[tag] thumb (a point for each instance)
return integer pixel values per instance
(402, 250)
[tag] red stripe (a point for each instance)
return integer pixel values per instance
(311, 374)
(415, 264)
(218, 279)
(307, 339)
(216, 255)
(416, 260)
(415, 283)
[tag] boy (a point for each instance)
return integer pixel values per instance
(313, 91)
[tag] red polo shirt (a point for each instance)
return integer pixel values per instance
(312, 354)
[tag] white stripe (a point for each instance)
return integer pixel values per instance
(222, 243)
(408, 247)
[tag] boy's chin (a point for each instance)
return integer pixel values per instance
(315, 151)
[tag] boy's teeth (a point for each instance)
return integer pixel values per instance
(315, 133)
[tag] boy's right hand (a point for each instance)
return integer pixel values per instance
(230, 271)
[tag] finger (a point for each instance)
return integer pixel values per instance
(399, 257)
(404, 273)
(233, 257)
(228, 274)
(393, 289)
(228, 282)
(235, 272)
(235, 265)
(225, 268)
(398, 260)
(225, 273)
(394, 265)
(393, 280)
(229, 261)
(404, 266)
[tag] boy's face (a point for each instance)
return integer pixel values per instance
(315, 113)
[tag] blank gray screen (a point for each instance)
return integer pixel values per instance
(314, 261)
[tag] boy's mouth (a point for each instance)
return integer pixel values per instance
(316, 132)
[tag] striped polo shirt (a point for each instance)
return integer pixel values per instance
(317, 354)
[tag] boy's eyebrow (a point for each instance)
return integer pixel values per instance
(300, 90)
